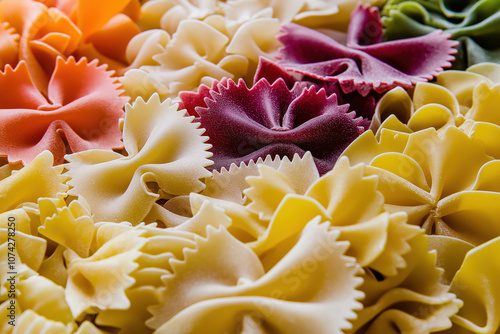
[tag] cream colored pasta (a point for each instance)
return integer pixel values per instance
(166, 157)
(143, 47)
(196, 54)
(168, 14)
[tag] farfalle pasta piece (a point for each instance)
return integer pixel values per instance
(478, 92)
(196, 54)
(70, 226)
(30, 322)
(244, 124)
(37, 179)
(99, 281)
(473, 24)
(330, 14)
(247, 295)
(53, 267)
(133, 319)
(267, 189)
(166, 157)
(144, 292)
(424, 176)
(51, 29)
(84, 114)
(365, 63)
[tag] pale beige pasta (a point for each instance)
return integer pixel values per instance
(166, 157)
(143, 47)
(256, 38)
(168, 14)
(196, 54)
(244, 10)
(332, 14)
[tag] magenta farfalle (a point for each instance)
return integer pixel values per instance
(244, 124)
(365, 63)
(364, 106)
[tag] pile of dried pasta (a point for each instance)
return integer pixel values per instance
(249, 166)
